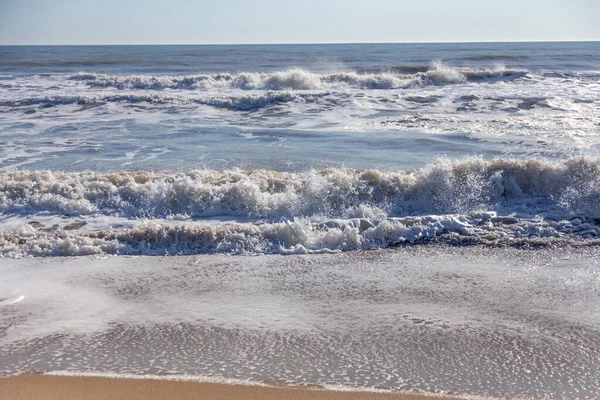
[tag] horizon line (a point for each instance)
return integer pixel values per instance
(308, 43)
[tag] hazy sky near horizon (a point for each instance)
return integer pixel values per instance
(294, 21)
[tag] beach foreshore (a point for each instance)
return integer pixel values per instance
(36, 386)
(458, 320)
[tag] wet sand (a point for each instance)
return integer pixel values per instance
(33, 387)
(491, 322)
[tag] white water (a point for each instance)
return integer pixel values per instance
(529, 114)
(474, 186)
(259, 211)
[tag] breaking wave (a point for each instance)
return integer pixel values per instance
(301, 236)
(555, 189)
(505, 201)
(297, 79)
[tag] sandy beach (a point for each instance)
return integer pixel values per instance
(33, 387)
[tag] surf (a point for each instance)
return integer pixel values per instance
(437, 73)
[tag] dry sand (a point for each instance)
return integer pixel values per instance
(46, 387)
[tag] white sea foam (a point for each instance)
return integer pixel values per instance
(496, 260)
(297, 79)
(248, 102)
(12, 300)
(302, 236)
(505, 201)
(172, 377)
(559, 189)
(537, 113)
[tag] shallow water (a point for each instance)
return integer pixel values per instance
(470, 171)
(462, 320)
(294, 107)
(175, 135)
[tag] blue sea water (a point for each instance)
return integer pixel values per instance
(470, 169)
(467, 133)
(157, 107)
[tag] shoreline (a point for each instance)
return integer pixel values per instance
(66, 387)
(466, 321)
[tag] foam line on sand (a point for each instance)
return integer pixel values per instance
(33, 387)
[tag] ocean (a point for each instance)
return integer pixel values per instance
(403, 217)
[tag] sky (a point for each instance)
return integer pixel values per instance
(25, 22)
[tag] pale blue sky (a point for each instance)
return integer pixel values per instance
(294, 21)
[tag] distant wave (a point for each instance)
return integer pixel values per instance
(297, 79)
(588, 76)
(495, 57)
(240, 103)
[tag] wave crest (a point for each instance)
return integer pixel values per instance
(297, 79)
(504, 202)
(301, 236)
(554, 189)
